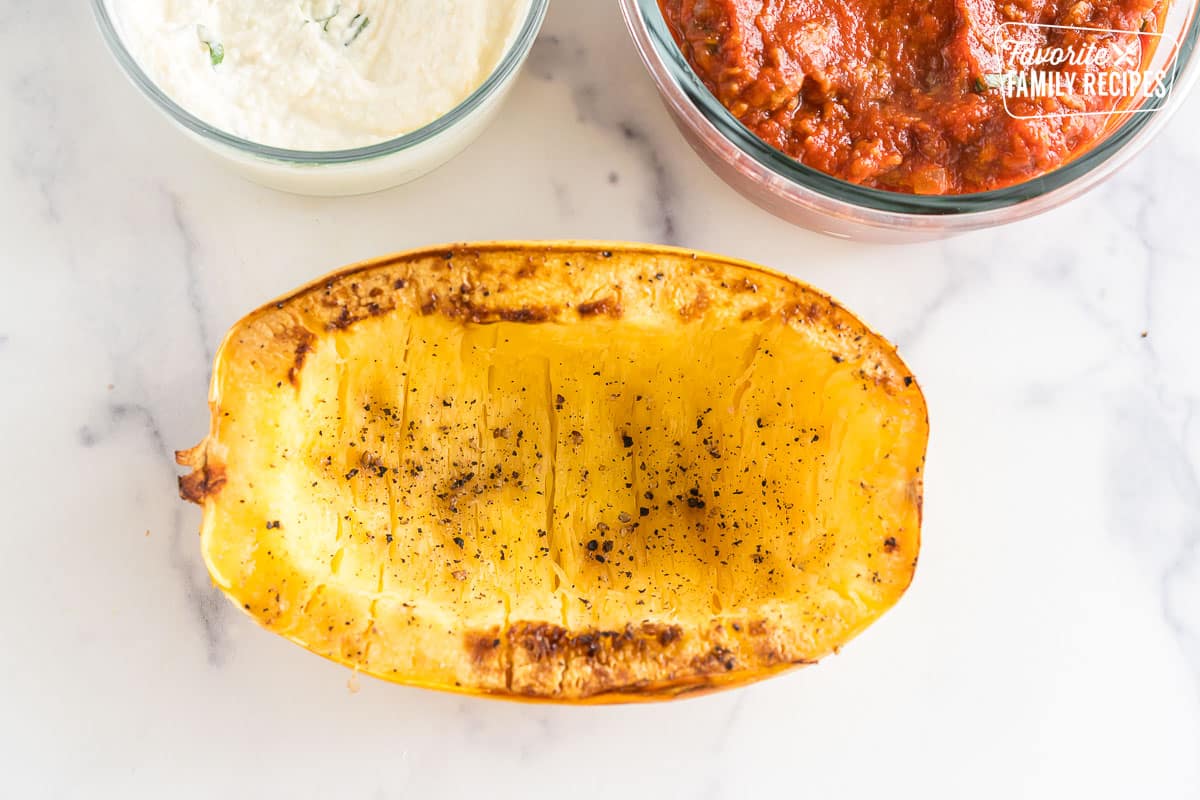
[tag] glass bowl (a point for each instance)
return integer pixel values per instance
(810, 198)
(341, 172)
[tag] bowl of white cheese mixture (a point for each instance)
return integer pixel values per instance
(325, 97)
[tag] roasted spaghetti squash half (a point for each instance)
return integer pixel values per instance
(571, 472)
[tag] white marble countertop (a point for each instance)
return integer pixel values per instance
(1049, 648)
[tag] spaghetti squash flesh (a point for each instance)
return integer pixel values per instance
(561, 472)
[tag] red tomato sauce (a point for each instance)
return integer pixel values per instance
(895, 94)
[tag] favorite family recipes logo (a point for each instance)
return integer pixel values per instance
(1060, 70)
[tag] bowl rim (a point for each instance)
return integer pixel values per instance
(664, 57)
(505, 69)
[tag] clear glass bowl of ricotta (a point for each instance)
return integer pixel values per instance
(331, 170)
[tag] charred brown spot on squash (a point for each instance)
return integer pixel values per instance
(302, 340)
(718, 659)
(431, 303)
(511, 315)
(696, 306)
(202, 484)
(463, 306)
(539, 640)
(343, 320)
(811, 312)
(541, 658)
(666, 633)
(484, 647)
(759, 312)
(542, 640)
(606, 306)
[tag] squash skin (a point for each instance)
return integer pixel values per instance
(272, 566)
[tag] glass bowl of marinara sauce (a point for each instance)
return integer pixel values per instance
(906, 121)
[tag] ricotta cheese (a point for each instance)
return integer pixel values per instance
(319, 75)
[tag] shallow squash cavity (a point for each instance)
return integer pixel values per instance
(574, 472)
